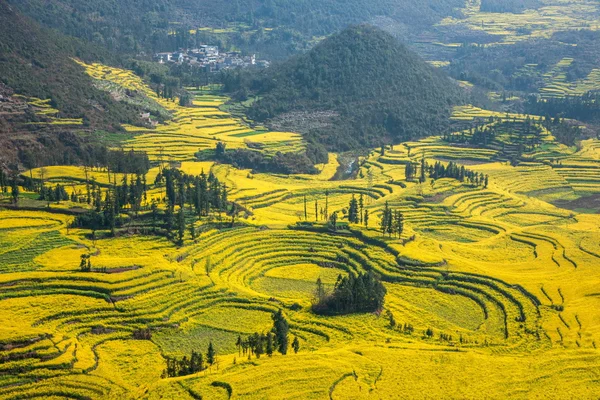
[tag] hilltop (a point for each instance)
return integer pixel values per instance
(358, 88)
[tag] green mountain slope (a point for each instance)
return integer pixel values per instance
(133, 26)
(38, 62)
(358, 88)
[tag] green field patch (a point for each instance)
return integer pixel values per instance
(246, 134)
(306, 272)
(179, 342)
(456, 233)
(425, 307)
(236, 319)
(283, 287)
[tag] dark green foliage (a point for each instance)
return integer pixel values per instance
(185, 366)
(353, 294)
(353, 212)
(368, 87)
(280, 329)
(38, 62)
(211, 354)
(296, 345)
(58, 193)
(288, 163)
(321, 17)
(521, 66)
(583, 108)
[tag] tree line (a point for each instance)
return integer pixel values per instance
(187, 366)
(184, 196)
(439, 171)
(277, 339)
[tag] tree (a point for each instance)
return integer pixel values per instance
(296, 345)
(85, 265)
(211, 354)
(361, 205)
(398, 225)
(280, 329)
(320, 292)
(305, 210)
(386, 223)
(391, 319)
(14, 190)
(366, 218)
(238, 344)
(220, 151)
(353, 211)
(423, 168)
(333, 220)
(181, 225)
(269, 344)
(409, 171)
(193, 230)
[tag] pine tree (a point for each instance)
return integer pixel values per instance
(280, 329)
(238, 343)
(366, 218)
(181, 226)
(296, 345)
(305, 210)
(269, 344)
(353, 211)
(423, 168)
(211, 354)
(15, 191)
(361, 205)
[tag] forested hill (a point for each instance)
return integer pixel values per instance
(321, 17)
(38, 62)
(358, 88)
(277, 27)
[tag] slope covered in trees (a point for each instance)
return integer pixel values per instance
(360, 87)
(38, 62)
(130, 26)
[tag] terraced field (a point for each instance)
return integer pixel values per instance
(506, 281)
(552, 16)
(192, 129)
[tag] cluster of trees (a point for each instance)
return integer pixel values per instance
(86, 264)
(58, 193)
(277, 339)
(356, 212)
(184, 195)
(583, 108)
(107, 210)
(351, 294)
(458, 172)
(279, 163)
(392, 222)
(192, 365)
(439, 170)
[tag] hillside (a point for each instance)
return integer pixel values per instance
(38, 62)
(47, 99)
(276, 28)
(358, 88)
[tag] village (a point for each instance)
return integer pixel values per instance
(209, 57)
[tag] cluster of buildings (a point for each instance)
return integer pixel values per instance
(209, 56)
